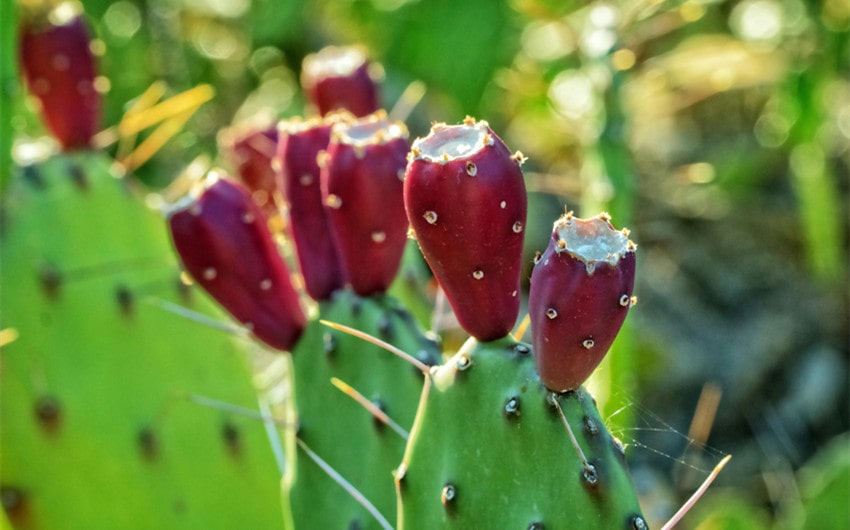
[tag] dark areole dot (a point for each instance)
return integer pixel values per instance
(463, 363)
(329, 343)
(147, 443)
(590, 426)
(512, 407)
(382, 406)
(638, 523)
(78, 177)
(385, 327)
(231, 437)
(448, 494)
(48, 411)
(12, 499)
(124, 298)
(590, 476)
(51, 280)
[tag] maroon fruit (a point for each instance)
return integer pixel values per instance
(362, 186)
(252, 152)
(299, 179)
(59, 68)
(224, 243)
(581, 290)
(466, 202)
(340, 78)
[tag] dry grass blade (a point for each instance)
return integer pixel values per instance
(522, 327)
(8, 336)
(697, 494)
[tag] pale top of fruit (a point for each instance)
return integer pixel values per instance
(369, 130)
(592, 240)
(297, 124)
(333, 61)
(64, 13)
(452, 142)
(184, 193)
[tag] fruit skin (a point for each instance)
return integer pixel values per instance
(252, 153)
(299, 179)
(60, 71)
(488, 450)
(578, 306)
(224, 242)
(336, 78)
(363, 191)
(468, 212)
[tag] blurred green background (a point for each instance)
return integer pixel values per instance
(718, 131)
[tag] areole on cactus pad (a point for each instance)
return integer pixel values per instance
(224, 243)
(466, 202)
(581, 291)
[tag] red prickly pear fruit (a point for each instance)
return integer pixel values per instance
(340, 78)
(581, 290)
(362, 187)
(222, 239)
(465, 198)
(252, 153)
(60, 71)
(299, 179)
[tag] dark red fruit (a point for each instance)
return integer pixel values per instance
(581, 290)
(337, 78)
(363, 191)
(301, 143)
(60, 71)
(466, 202)
(223, 241)
(252, 153)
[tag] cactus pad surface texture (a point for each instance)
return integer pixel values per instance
(489, 450)
(96, 431)
(337, 428)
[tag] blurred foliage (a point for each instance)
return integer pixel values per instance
(672, 114)
(8, 86)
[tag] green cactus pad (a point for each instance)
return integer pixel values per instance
(96, 428)
(337, 428)
(489, 450)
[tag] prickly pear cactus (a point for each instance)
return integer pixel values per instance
(490, 450)
(96, 431)
(493, 446)
(361, 449)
